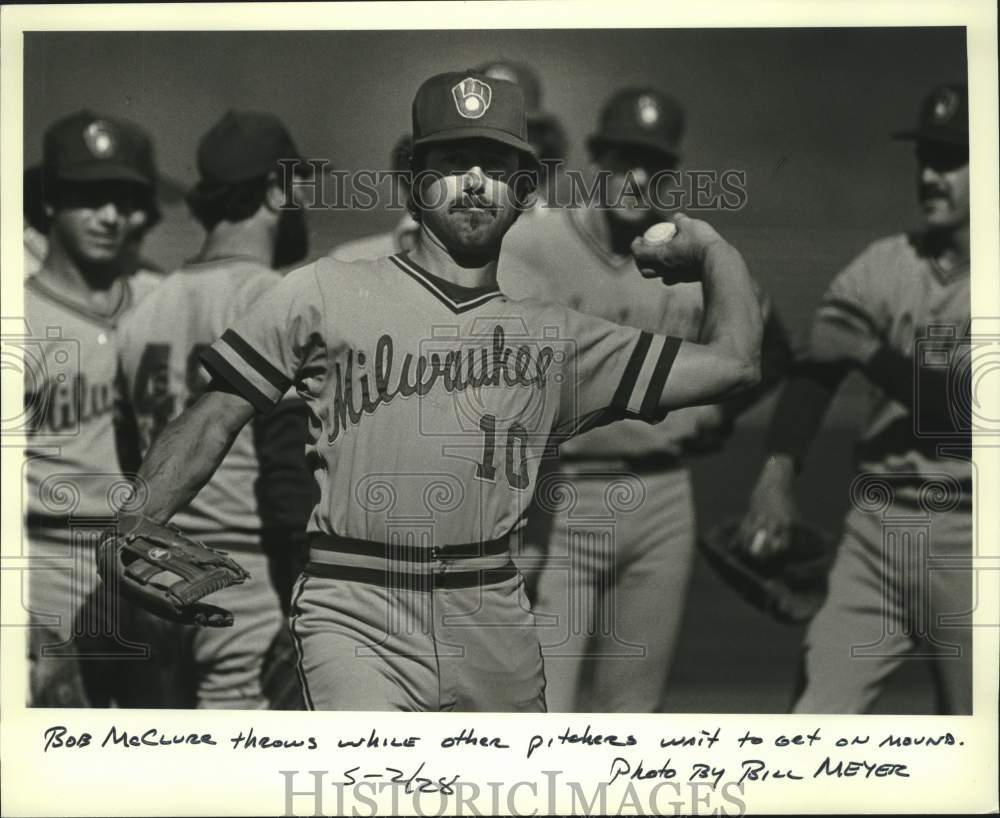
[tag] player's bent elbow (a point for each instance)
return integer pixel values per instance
(744, 373)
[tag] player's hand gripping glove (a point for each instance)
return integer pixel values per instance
(789, 586)
(161, 570)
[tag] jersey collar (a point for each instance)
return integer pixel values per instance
(921, 242)
(947, 276)
(454, 296)
(108, 320)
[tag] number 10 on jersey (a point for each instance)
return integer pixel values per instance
(515, 448)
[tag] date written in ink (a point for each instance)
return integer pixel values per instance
(414, 782)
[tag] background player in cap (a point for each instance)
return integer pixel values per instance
(99, 173)
(545, 132)
(612, 607)
(887, 598)
(256, 504)
(141, 222)
(431, 397)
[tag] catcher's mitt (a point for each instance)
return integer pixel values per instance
(789, 587)
(161, 570)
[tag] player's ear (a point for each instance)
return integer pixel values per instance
(276, 198)
(527, 194)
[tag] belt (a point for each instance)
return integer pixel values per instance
(407, 553)
(642, 464)
(408, 566)
(415, 582)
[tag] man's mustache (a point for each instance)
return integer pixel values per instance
(467, 201)
(927, 191)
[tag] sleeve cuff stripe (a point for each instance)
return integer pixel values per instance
(622, 395)
(239, 363)
(274, 376)
(645, 375)
(668, 353)
(220, 367)
(841, 305)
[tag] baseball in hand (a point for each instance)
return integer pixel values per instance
(659, 233)
(759, 544)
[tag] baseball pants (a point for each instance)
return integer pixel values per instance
(228, 661)
(898, 591)
(428, 646)
(613, 586)
(60, 579)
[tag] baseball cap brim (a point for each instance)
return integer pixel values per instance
(104, 172)
(606, 138)
(945, 137)
(491, 134)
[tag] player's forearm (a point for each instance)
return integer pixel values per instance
(780, 470)
(802, 405)
(732, 326)
(185, 456)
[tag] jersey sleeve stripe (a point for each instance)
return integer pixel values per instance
(642, 380)
(273, 375)
(835, 309)
(239, 363)
(668, 353)
(620, 400)
(215, 363)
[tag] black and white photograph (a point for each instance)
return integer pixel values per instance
(540, 374)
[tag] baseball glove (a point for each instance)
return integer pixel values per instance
(789, 587)
(161, 570)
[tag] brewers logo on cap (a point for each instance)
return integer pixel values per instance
(945, 105)
(649, 111)
(100, 139)
(472, 97)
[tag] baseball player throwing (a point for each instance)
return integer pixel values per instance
(431, 398)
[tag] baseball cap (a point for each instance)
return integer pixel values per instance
(241, 146)
(545, 132)
(90, 147)
(640, 116)
(470, 105)
(521, 74)
(944, 117)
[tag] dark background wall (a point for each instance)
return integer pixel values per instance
(805, 113)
